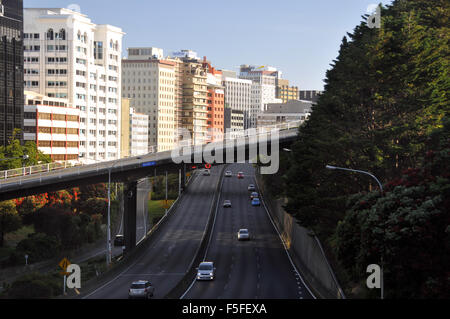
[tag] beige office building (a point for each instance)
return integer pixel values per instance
(149, 83)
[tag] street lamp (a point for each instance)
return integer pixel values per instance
(108, 230)
(381, 189)
(24, 157)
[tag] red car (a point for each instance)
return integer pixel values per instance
(240, 175)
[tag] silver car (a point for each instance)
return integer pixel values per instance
(141, 289)
(226, 203)
(206, 172)
(243, 234)
(251, 187)
(228, 174)
(206, 270)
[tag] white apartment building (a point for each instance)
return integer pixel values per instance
(263, 89)
(68, 56)
(238, 96)
(53, 124)
(138, 133)
(150, 86)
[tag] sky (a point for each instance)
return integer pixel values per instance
(299, 37)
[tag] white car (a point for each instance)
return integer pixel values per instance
(243, 234)
(251, 187)
(205, 271)
(228, 174)
(141, 289)
(226, 203)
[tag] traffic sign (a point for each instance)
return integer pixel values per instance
(148, 164)
(64, 264)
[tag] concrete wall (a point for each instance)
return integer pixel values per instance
(305, 249)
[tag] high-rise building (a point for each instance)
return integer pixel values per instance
(263, 89)
(53, 124)
(238, 97)
(125, 128)
(150, 84)
(216, 102)
(284, 91)
(11, 70)
(194, 110)
(68, 56)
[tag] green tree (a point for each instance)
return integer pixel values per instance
(17, 151)
(9, 219)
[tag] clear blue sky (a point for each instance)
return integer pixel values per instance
(299, 37)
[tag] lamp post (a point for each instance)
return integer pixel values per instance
(381, 189)
(108, 229)
(24, 157)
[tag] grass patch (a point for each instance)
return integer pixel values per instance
(13, 238)
(5, 252)
(156, 209)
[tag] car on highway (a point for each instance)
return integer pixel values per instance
(240, 175)
(226, 203)
(141, 289)
(253, 195)
(243, 234)
(256, 202)
(205, 271)
(251, 187)
(119, 240)
(228, 174)
(206, 172)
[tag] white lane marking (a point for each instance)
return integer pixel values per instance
(210, 237)
(282, 241)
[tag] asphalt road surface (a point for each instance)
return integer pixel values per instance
(172, 250)
(259, 268)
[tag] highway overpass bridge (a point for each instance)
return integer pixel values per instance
(130, 170)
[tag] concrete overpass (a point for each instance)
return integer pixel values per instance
(130, 170)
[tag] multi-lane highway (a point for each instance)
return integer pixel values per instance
(172, 250)
(259, 268)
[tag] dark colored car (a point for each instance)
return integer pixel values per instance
(119, 240)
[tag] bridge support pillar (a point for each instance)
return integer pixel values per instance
(129, 217)
(183, 177)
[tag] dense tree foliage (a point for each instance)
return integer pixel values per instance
(409, 225)
(385, 96)
(9, 219)
(15, 150)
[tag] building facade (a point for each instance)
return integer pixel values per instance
(238, 97)
(286, 92)
(216, 102)
(138, 133)
(263, 88)
(11, 70)
(68, 56)
(279, 113)
(309, 95)
(150, 86)
(125, 128)
(234, 123)
(54, 125)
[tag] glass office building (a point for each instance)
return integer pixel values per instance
(11, 69)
